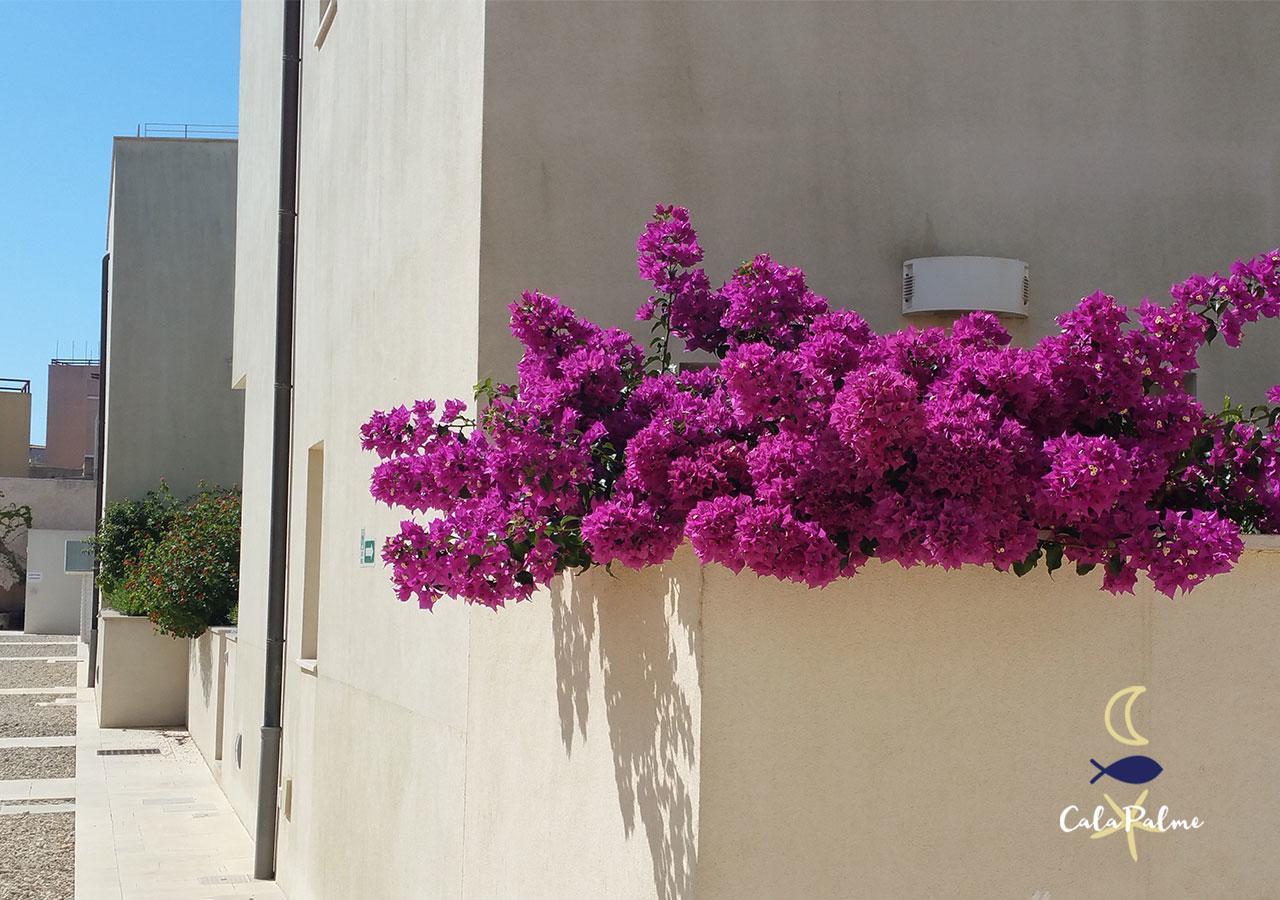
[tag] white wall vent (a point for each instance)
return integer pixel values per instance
(943, 284)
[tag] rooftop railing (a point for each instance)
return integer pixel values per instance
(186, 130)
(16, 385)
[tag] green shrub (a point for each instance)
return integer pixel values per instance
(189, 578)
(129, 527)
(14, 517)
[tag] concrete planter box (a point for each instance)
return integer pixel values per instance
(211, 657)
(142, 676)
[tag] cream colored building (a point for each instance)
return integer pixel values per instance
(171, 234)
(682, 730)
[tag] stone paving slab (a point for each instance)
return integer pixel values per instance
(38, 789)
(36, 807)
(155, 826)
(29, 673)
(22, 716)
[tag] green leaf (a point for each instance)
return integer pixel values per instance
(1084, 568)
(1053, 557)
(1022, 567)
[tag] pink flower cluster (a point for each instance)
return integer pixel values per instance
(816, 444)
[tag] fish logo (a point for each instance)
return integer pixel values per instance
(1131, 818)
(1130, 770)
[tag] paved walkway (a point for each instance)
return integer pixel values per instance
(154, 826)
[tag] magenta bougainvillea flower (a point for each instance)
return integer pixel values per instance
(814, 444)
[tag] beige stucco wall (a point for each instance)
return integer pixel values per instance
(52, 600)
(919, 734)
(15, 433)
(257, 202)
(1109, 145)
(574, 746)
(683, 731)
(142, 675)
(171, 412)
(209, 664)
(382, 314)
(56, 503)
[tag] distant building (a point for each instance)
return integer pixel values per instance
(171, 412)
(61, 498)
(72, 423)
(15, 426)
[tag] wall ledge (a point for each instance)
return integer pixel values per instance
(1262, 542)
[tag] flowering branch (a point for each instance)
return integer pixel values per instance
(817, 444)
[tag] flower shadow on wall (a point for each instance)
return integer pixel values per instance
(644, 628)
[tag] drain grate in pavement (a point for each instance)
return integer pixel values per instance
(224, 879)
(135, 751)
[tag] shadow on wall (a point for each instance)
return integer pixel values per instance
(644, 626)
(204, 652)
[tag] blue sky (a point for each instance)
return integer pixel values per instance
(72, 75)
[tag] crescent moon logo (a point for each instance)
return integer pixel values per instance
(1133, 739)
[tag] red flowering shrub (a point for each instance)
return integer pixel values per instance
(189, 578)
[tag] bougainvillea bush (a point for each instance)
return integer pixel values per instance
(816, 444)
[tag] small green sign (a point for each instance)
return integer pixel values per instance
(368, 549)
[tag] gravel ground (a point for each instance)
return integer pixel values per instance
(37, 762)
(33, 649)
(37, 850)
(36, 674)
(21, 717)
(38, 859)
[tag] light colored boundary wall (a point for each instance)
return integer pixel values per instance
(56, 503)
(209, 664)
(1110, 145)
(685, 731)
(142, 676)
(53, 602)
(171, 412)
(918, 734)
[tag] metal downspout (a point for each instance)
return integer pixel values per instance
(264, 864)
(98, 471)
